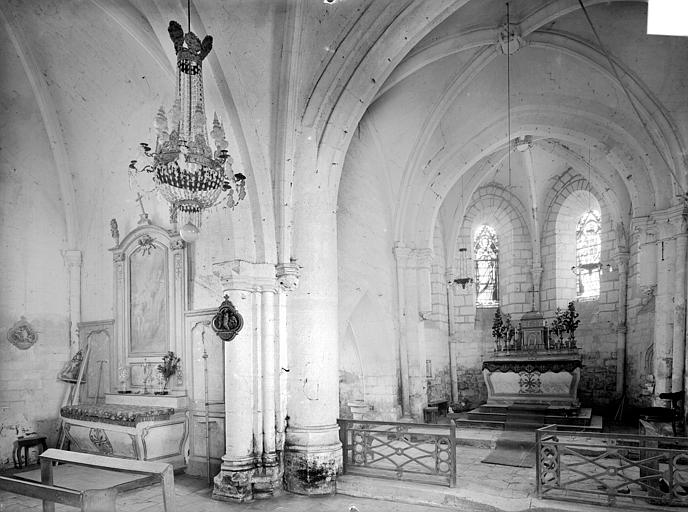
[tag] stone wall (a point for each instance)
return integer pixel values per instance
(33, 234)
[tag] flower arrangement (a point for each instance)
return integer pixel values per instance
(502, 329)
(570, 322)
(557, 326)
(168, 367)
(497, 326)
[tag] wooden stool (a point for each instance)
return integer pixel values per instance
(430, 414)
(26, 443)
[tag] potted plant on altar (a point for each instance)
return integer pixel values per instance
(497, 325)
(557, 327)
(570, 322)
(168, 367)
(507, 331)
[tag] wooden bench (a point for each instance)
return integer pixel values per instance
(97, 500)
(156, 471)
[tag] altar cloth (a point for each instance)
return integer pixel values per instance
(126, 415)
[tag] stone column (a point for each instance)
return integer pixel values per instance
(621, 329)
(288, 280)
(679, 334)
(402, 255)
(242, 466)
(668, 224)
(418, 379)
(73, 261)
(451, 338)
(312, 452)
(269, 483)
(536, 273)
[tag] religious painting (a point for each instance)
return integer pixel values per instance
(148, 306)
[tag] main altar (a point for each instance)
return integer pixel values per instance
(533, 369)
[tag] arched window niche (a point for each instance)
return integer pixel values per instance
(486, 258)
(579, 247)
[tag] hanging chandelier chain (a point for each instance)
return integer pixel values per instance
(508, 90)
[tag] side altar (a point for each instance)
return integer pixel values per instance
(131, 426)
(135, 422)
(532, 369)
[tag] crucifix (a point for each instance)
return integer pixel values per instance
(143, 216)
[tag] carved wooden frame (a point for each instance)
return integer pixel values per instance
(146, 238)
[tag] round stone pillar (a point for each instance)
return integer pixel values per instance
(669, 224)
(679, 334)
(621, 328)
(235, 480)
(312, 452)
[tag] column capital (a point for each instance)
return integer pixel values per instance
(72, 258)
(402, 253)
(622, 258)
(423, 257)
(244, 275)
(288, 275)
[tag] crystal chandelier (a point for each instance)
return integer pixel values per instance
(186, 172)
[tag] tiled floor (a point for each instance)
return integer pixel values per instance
(193, 494)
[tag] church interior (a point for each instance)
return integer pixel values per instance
(215, 251)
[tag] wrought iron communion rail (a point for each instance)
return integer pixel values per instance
(625, 470)
(409, 451)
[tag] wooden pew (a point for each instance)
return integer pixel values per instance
(156, 471)
(96, 500)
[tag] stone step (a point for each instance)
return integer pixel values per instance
(590, 424)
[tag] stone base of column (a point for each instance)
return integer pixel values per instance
(312, 473)
(267, 480)
(233, 485)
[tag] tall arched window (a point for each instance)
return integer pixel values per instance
(588, 249)
(486, 256)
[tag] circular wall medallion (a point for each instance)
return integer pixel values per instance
(22, 334)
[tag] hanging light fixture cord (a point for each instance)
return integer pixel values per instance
(630, 100)
(508, 91)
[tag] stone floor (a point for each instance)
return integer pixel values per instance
(480, 487)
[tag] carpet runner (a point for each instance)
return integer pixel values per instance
(513, 449)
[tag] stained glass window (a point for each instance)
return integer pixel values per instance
(486, 257)
(588, 247)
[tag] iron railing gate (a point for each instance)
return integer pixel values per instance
(411, 451)
(613, 469)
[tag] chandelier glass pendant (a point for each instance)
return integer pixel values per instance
(186, 172)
